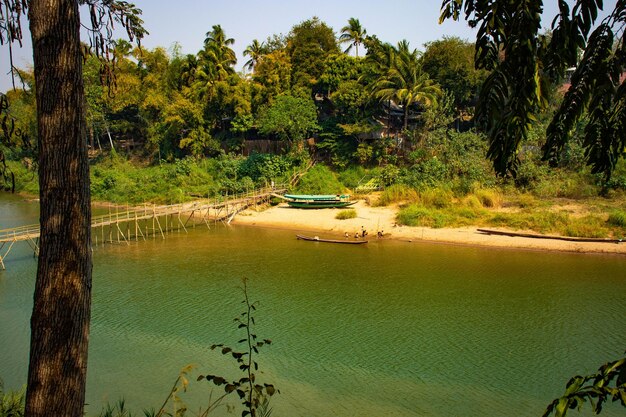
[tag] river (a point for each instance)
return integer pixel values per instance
(384, 329)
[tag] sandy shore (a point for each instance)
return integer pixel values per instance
(373, 219)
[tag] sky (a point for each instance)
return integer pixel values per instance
(186, 22)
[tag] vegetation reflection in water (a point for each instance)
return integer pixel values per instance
(390, 329)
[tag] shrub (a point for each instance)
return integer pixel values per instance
(389, 174)
(429, 173)
(264, 167)
(319, 180)
(346, 214)
(530, 174)
(352, 176)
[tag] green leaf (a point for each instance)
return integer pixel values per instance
(269, 388)
(218, 380)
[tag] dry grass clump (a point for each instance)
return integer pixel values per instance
(489, 198)
(346, 214)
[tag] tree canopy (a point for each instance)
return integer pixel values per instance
(451, 62)
(289, 118)
(308, 45)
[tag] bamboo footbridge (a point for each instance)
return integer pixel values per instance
(148, 220)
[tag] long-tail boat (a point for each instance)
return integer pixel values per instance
(318, 201)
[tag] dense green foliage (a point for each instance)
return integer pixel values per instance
(176, 127)
(289, 118)
(451, 62)
(524, 65)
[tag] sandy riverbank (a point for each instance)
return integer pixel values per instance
(325, 225)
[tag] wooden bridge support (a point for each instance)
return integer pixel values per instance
(124, 226)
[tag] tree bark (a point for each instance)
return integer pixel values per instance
(62, 299)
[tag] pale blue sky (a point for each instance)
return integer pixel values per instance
(187, 21)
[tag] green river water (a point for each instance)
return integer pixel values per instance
(384, 329)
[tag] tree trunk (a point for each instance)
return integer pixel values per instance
(406, 117)
(62, 300)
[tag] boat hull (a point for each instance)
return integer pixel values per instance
(320, 204)
(317, 239)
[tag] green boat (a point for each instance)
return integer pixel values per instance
(318, 201)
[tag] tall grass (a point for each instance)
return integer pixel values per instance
(587, 226)
(418, 215)
(617, 218)
(488, 197)
(397, 193)
(469, 212)
(436, 198)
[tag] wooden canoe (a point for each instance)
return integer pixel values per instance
(317, 239)
(538, 236)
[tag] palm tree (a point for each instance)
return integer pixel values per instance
(218, 54)
(216, 61)
(218, 38)
(354, 34)
(188, 69)
(404, 82)
(255, 50)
